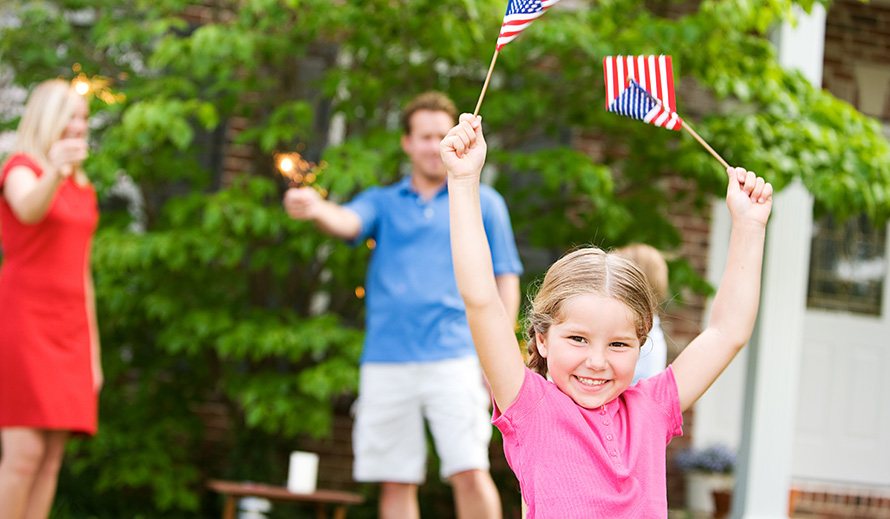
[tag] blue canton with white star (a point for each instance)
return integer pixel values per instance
(523, 7)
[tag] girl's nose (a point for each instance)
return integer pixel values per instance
(596, 357)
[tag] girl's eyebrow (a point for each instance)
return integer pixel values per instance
(581, 329)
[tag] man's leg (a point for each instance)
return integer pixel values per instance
(399, 501)
(388, 437)
(475, 496)
(456, 406)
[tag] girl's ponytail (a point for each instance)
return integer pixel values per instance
(536, 362)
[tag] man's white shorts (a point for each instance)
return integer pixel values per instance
(394, 398)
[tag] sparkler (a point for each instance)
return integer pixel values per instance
(98, 86)
(299, 171)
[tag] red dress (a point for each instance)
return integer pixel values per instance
(46, 379)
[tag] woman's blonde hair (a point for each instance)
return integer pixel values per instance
(588, 271)
(48, 111)
(652, 263)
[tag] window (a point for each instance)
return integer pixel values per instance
(848, 265)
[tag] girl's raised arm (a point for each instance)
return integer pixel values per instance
(735, 305)
(463, 151)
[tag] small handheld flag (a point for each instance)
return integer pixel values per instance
(520, 14)
(642, 87)
(637, 103)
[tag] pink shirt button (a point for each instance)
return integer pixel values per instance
(614, 452)
(606, 422)
(609, 437)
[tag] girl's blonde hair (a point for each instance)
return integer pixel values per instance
(47, 113)
(588, 271)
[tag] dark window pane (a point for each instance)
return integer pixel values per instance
(848, 266)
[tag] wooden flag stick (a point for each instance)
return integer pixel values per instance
(688, 129)
(485, 86)
(705, 144)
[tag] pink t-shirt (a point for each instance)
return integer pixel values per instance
(574, 462)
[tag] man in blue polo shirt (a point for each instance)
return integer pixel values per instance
(418, 361)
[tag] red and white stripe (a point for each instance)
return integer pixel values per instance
(655, 74)
(516, 23)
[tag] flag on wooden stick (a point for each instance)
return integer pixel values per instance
(642, 87)
(637, 103)
(520, 14)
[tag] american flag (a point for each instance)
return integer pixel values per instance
(634, 82)
(520, 14)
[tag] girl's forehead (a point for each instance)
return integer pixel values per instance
(599, 311)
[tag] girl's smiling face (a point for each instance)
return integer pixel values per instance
(592, 353)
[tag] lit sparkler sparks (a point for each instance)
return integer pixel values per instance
(298, 170)
(98, 86)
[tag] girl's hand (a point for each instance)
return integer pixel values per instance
(748, 197)
(67, 154)
(463, 148)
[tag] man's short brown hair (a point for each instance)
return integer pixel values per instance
(432, 100)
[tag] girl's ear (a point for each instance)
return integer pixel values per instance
(542, 344)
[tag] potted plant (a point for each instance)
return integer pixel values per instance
(709, 478)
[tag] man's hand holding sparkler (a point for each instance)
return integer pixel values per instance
(302, 203)
(305, 203)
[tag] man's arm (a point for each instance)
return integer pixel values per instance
(306, 204)
(508, 289)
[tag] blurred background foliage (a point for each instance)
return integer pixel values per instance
(209, 297)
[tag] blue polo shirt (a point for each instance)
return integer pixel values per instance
(414, 312)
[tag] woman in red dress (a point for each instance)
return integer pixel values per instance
(50, 373)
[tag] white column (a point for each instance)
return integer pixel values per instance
(802, 46)
(764, 477)
(718, 413)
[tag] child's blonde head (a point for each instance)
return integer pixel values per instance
(47, 112)
(588, 271)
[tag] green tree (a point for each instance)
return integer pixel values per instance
(209, 294)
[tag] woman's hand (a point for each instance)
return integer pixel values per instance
(67, 154)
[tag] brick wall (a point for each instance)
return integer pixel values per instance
(819, 501)
(857, 34)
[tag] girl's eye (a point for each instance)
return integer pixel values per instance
(577, 338)
(620, 345)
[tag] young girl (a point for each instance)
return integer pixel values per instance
(587, 444)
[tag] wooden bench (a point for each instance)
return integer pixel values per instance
(233, 491)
